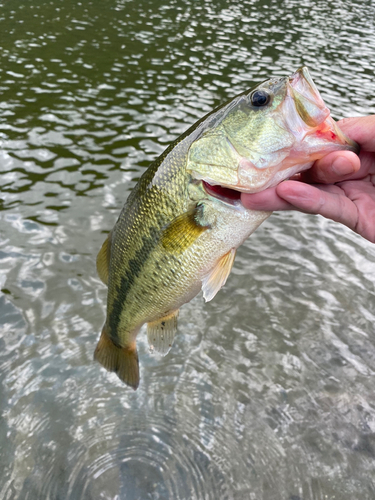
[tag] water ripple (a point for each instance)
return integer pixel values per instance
(267, 391)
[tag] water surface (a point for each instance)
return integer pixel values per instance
(268, 392)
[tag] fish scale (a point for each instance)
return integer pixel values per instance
(181, 226)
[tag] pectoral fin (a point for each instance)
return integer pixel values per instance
(160, 333)
(183, 231)
(216, 278)
(102, 260)
(121, 360)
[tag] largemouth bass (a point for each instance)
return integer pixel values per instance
(181, 226)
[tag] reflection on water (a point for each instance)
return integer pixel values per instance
(268, 390)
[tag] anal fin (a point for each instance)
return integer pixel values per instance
(217, 276)
(121, 360)
(103, 258)
(160, 333)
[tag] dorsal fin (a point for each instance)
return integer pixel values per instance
(160, 333)
(217, 276)
(103, 258)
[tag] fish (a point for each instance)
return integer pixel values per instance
(181, 225)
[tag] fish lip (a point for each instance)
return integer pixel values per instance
(222, 193)
(301, 84)
(304, 74)
(303, 91)
(355, 147)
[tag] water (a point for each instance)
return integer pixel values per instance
(268, 391)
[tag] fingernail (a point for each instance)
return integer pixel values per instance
(342, 166)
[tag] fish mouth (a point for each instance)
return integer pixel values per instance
(224, 194)
(313, 112)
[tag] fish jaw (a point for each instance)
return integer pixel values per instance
(316, 134)
(313, 112)
(300, 130)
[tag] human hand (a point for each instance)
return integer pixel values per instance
(340, 186)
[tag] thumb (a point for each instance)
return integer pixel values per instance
(334, 167)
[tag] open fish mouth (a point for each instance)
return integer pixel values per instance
(267, 136)
(224, 194)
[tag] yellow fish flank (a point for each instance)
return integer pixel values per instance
(181, 226)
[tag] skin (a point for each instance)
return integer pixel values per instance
(340, 186)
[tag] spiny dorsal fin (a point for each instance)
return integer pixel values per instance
(183, 231)
(216, 278)
(121, 360)
(102, 260)
(160, 333)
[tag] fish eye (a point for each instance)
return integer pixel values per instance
(260, 98)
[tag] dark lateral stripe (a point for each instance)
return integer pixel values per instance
(135, 266)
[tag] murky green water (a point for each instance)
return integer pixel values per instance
(269, 390)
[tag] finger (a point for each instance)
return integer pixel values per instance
(361, 130)
(267, 200)
(328, 201)
(334, 167)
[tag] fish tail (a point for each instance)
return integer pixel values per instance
(121, 360)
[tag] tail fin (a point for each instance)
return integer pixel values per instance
(121, 360)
